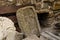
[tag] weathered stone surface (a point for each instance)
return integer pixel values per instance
(6, 27)
(14, 36)
(7, 2)
(8, 30)
(33, 1)
(38, 6)
(28, 21)
(52, 24)
(32, 37)
(56, 5)
(26, 1)
(48, 0)
(43, 38)
(2, 3)
(47, 35)
(22, 2)
(38, 1)
(57, 23)
(19, 2)
(11, 35)
(18, 36)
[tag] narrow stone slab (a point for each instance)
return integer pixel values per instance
(28, 21)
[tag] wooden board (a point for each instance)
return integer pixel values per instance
(8, 9)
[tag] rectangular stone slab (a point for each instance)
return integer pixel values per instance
(28, 21)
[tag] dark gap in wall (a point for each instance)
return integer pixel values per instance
(8, 14)
(42, 17)
(17, 27)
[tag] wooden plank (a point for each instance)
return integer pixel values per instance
(8, 9)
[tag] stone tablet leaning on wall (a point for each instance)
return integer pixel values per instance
(28, 21)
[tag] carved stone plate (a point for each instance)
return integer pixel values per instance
(28, 21)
